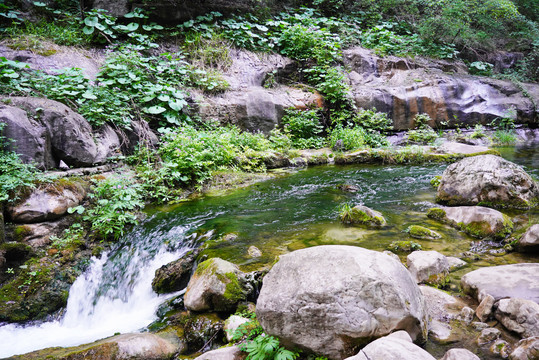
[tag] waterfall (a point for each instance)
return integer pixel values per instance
(114, 295)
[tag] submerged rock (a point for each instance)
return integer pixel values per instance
(366, 295)
(216, 285)
(519, 315)
(362, 215)
(397, 346)
(420, 232)
(428, 267)
(529, 242)
(504, 281)
(487, 180)
(477, 221)
(174, 276)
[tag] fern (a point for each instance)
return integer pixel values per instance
(265, 347)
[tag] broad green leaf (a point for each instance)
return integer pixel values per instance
(88, 30)
(91, 21)
(155, 110)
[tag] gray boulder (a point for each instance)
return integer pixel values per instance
(397, 346)
(429, 267)
(31, 140)
(526, 349)
(441, 308)
(529, 242)
(459, 354)
(519, 315)
(487, 180)
(504, 281)
(215, 285)
(226, 353)
(47, 203)
(477, 221)
(366, 295)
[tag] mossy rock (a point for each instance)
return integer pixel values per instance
(403, 246)
(436, 213)
(216, 285)
(362, 215)
(420, 232)
(15, 251)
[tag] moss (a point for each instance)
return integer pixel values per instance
(234, 291)
(435, 181)
(20, 232)
(420, 232)
(404, 246)
(436, 213)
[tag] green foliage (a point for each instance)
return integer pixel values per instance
(423, 134)
(71, 237)
(504, 137)
(404, 246)
(479, 132)
(14, 174)
(265, 347)
(115, 202)
(355, 137)
(204, 52)
(303, 127)
(373, 120)
(308, 43)
(480, 68)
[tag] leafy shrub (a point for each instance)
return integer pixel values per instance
(480, 68)
(423, 134)
(350, 138)
(304, 128)
(373, 120)
(115, 202)
(310, 43)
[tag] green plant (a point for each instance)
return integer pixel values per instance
(480, 68)
(71, 237)
(348, 138)
(346, 213)
(478, 132)
(303, 127)
(423, 134)
(504, 137)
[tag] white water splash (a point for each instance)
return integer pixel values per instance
(128, 306)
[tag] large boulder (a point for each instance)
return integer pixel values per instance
(529, 242)
(390, 84)
(215, 285)
(175, 275)
(504, 281)
(428, 267)
(397, 346)
(477, 221)
(366, 295)
(30, 139)
(519, 315)
(526, 349)
(48, 202)
(487, 180)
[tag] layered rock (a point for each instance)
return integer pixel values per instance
(390, 84)
(366, 295)
(477, 221)
(504, 281)
(216, 285)
(487, 180)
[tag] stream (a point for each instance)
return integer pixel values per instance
(296, 210)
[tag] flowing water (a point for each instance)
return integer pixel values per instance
(288, 213)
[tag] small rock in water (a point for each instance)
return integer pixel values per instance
(466, 315)
(477, 325)
(484, 309)
(488, 335)
(500, 347)
(348, 188)
(429, 267)
(254, 252)
(455, 263)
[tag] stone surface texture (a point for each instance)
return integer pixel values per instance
(427, 266)
(519, 315)
(366, 295)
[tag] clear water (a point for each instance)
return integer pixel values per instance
(284, 214)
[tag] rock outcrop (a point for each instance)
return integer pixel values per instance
(504, 281)
(403, 88)
(215, 285)
(487, 180)
(366, 295)
(477, 221)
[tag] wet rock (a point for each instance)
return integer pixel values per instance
(175, 275)
(466, 315)
(420, 232)
(526, 349)
(38, 235)
(48, 202)
(429, 267)
(30, 139)
(390, 85)
(362, 215)
(455, 263)
(226, 353)
(501, 348)
(519, 315)
(488, 335)
(215, 285)
(487, 180)
(333, 313)
(504, 281)
(459, 354)
(397, 346)
(477, 221)
(254, 252)
(232, 324)
(15, 252)
(529, 242)
(484, 309)
(201, 331)
(348, 188)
